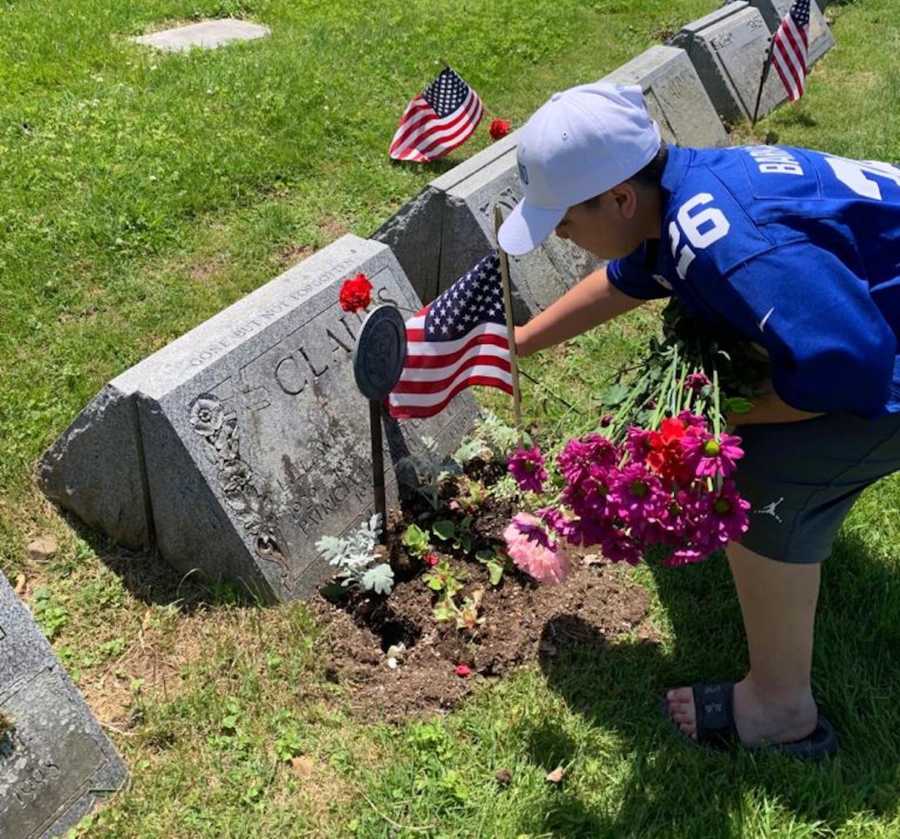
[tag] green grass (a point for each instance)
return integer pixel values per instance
(139, 194)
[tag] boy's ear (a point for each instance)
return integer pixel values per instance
(626, 199)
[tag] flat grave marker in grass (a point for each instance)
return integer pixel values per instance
(240, 444)
(448, 227)
(728, 48)
(56, 764)
(675, 96)
(207, 34)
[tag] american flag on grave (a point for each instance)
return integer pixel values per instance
(437, 120)
(790, 49)
(456, 341)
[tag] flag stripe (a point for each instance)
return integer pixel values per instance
(457, 341)
(790, 49)
(434, 374)
(430, 124)
(413, 410)
(437, 120)
(414, 336)
(496, 366)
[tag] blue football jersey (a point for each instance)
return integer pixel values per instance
(796, 250)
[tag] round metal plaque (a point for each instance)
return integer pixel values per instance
(380, 352)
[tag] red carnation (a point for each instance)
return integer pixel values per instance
(356, 293)
(499, 128)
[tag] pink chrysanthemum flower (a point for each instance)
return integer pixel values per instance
(726, 514)
(637, 444)
(527, 467)
(638, 495)
(696, 381)
(576, 459)
(693, 422)
(618, 547)
(534, 551)
(712, 457)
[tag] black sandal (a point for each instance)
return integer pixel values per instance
(714, 710)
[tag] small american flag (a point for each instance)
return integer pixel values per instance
(790, 48)
(456, 341)
(438, 120)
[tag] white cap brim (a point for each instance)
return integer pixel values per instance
(527, 227)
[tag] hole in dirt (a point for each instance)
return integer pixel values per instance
(398, 632)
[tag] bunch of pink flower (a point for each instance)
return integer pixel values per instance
(669, 487)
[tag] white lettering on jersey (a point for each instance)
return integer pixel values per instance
(701, 229)
(775, 161)
(860, 175)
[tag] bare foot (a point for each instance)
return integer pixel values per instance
(758, 720)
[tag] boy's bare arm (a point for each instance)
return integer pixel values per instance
(591, 302)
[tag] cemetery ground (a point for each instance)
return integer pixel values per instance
(139, 195)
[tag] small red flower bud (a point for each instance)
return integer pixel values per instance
(355, 294)
(431, 559)
(463, 671)
(499, 128)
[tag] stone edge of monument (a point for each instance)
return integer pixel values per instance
(651, 68)
(107, 779)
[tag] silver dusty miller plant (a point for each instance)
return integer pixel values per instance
(354, 557)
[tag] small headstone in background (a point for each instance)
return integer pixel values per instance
(207, 34)
(820, 38)
(240, 444)
(56, 764)
(728, 49)
(674, 95)
(449, 226)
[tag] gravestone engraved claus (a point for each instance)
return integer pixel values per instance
(56, 764)
(728, 48)
(237, 446)
(449, 226)
(674, 95)
(820, 38)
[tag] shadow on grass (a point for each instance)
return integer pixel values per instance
(148, 577)
(676, 788)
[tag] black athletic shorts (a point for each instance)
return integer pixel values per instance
(801, 479)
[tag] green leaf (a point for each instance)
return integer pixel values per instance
(614, 395)
(379, 579)
(444, 529)
(737, 405)
(445, 610)
(495, 571)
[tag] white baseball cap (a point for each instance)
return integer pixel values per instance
(578, 144)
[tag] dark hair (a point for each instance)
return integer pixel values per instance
(650, 175)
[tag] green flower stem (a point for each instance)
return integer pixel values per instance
(717, 417)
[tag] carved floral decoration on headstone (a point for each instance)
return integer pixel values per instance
(255, 510)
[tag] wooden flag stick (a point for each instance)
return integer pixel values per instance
(767, 65)
(510, 326)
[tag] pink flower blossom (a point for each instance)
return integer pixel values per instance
(711, 457)
(637, 444)
(617, 547)
(527, 467)
(581, 453)
(431, 559)
(638, 496)
(726, 514)
(463, 671)
(534, 551)
(696, 381)
(693, 422)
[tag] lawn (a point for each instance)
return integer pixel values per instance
(140, 194)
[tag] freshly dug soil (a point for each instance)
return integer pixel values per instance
(523, 620)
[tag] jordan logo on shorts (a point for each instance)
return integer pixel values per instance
(769, 510)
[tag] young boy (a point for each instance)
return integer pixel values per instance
(794, 250)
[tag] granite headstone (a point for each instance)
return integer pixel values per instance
(820, 38)
(728, 49)
(238, 445)
(56, 764)
(448, 227)
(207, 34)
(674, 95)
